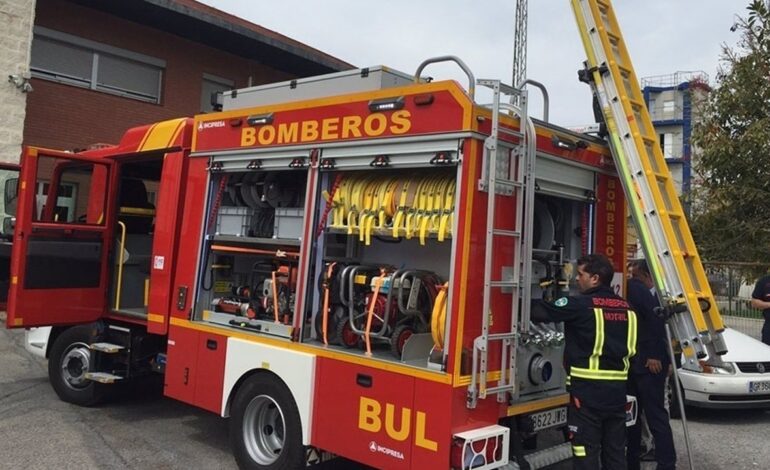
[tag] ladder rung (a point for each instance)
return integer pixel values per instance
(503, 283)
(504, 89)
(636, 103)
(624, 69)
(500, 336)
(499, 388)
(675, 215)
(661, 176)
(510, 183)
(507, 233)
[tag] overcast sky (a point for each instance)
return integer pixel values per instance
(663, 36)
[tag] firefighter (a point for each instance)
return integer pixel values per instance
(649, 371)
(600, 333)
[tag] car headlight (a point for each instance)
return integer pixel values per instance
(725, 368)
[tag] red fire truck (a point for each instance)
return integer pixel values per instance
(341, 265)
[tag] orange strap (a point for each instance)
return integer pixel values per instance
(329, 271)
(275, 297)
(370, 314)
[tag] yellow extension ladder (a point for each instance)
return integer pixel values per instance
(666, 239)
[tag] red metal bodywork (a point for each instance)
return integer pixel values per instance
(377, 412)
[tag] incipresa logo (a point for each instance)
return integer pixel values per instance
(207, 125)
(374, 447)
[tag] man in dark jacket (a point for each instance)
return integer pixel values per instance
(760, 299)
(600, 334)
(649, 370)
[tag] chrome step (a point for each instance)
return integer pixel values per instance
(108, 348)
(102, 377)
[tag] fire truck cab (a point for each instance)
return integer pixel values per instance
(321, 262)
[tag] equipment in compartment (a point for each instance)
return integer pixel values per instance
(261, 204)
(380, 304)
(267, 295)
(332, 310)
(415, 205)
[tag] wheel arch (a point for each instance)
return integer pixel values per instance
(234, 391)
(295, 370)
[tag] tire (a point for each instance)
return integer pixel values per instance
(346, 336)
(331, 327)
(673, 399)
(265, 427)
(68, 361)
(398, 339)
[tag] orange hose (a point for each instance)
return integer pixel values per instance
(275, 297)
(324, 327)
(377, 285)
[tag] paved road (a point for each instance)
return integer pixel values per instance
(141, 429)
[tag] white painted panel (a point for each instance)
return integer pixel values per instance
(296, 369)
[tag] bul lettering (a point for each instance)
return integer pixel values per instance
(397, 422)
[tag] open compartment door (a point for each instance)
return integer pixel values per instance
(60, 250)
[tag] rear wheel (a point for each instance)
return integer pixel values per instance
(265, 427)
(68, 363)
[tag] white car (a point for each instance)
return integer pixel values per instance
(743, 382)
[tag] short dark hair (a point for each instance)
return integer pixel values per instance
(599, 265)
(641, 267)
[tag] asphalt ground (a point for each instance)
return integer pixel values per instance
(141, 429)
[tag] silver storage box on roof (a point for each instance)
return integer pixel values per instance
(349, 81)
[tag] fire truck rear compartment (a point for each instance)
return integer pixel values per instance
(372, 292)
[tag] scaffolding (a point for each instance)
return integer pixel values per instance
(675, 79)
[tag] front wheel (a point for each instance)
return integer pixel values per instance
(673, 400)
(265, 427)
(68, 363)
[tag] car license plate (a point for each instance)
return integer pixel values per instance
(763, 386)
(549, 419)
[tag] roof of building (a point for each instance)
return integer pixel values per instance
(207, 25)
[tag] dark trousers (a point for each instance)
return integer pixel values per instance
(766, 330)
(649, 390)
(598, 435)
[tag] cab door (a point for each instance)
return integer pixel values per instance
(61, 241)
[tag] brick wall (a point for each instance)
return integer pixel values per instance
(16, 18)
(67, 117)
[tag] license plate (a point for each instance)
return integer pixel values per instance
(763, 386)
(549, 419)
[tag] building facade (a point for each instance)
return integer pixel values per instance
(98, 68)
(16, 18)
(672, 102)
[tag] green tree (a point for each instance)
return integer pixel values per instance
(730, 216)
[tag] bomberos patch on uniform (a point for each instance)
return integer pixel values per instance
(561, 302)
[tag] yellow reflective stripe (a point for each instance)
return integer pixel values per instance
(593, 362)
(592, 374)
(568, 380)
(579, 451)
(631, 340)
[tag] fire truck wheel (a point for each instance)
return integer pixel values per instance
(397, 341)
(265, 427)
(345, 334)
(68, 363)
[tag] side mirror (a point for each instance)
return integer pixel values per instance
(9, 224)
(10, 196)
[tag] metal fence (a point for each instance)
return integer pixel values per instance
(732, 285)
